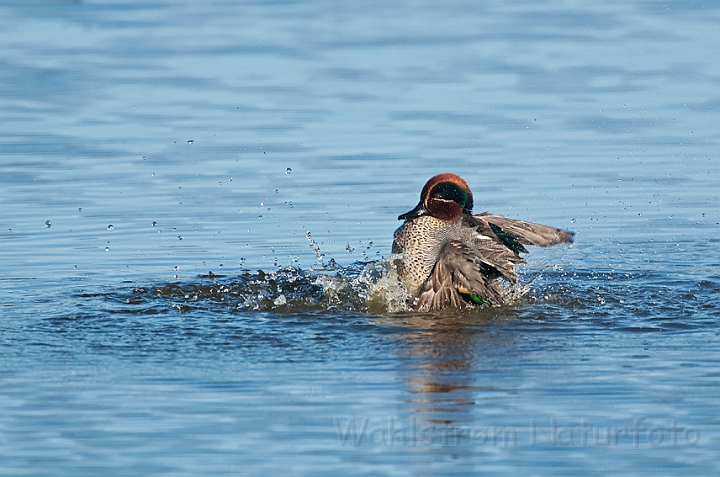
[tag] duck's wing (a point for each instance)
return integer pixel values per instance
(527, 233)
(496, 247)
(460, 275)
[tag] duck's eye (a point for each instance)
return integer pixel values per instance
(449, 191)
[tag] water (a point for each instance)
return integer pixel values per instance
(198, 202)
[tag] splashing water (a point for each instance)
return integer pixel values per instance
(370, 287)
(366, 287)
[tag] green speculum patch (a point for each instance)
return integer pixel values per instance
(477, 299)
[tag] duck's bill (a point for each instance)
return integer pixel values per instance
(418, 211)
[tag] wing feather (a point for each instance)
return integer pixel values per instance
(459, 271)
(528, 233)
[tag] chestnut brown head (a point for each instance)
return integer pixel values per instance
(445, 196)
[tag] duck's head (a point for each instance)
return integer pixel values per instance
(445, 196)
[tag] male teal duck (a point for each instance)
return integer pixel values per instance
(448, 257)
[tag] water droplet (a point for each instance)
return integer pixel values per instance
(288, 170)
(572, 221)
(177, 267)
(154, 223)
(259, 216)
(48, 224)
(230, 180)
(179, 237)
(79, 209)
(143, 158)
(220, 266)
(75, 267)
(107, 249)
(190, 142)
(110, 227)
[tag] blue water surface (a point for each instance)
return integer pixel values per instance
(197, 202)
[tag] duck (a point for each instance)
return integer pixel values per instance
(447, 257)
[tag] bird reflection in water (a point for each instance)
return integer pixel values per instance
(445, 353)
